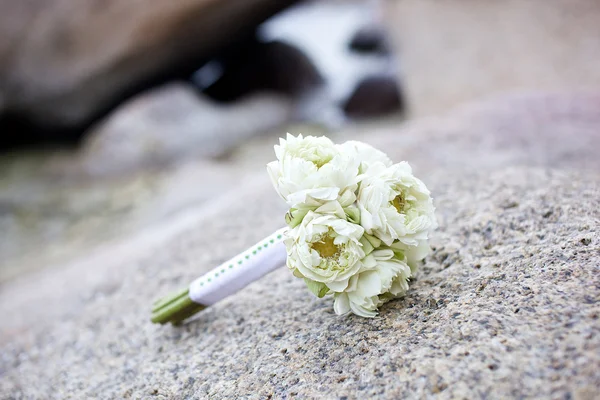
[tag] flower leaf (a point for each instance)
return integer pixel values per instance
(373, 240)
(353, 214)
(294, 217)
(366, 246)
(319, 289)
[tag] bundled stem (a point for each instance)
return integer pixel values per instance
(222, 281)
(175, 308)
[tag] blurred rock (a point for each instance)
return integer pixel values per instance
(322, 31)
(255, 66)
(551, 129)
(63, 63)
(369, 39)
(373, 96)
(175, 122)
(458, 51)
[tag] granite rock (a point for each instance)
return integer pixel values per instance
(506, 305)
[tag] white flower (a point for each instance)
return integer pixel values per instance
(311, 171)
(413, 254)
(367, 154)
(385, 276)
(395, 206)
(325, 248)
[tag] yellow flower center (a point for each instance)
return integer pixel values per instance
(326, 248)
(320, 162)
(399, 202)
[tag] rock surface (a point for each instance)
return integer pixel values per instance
(62, 62)
(163, 151)
(507, 304)
(174, 123)
(457, 51)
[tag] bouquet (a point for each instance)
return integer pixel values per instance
(357, 227)
(358, 224)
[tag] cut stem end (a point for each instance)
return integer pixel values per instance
(175, 308)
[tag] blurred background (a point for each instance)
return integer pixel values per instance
(121, 114)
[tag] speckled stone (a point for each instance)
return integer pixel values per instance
(506, 306)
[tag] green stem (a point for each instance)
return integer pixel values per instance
(160, 303)
(187, 312)
(175, 308)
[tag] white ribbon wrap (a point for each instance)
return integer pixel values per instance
(238, 272)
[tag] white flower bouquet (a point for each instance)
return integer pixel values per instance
(358, 224)
(357, 227)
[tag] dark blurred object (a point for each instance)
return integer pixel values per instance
(370, 39)
(373, 96)
(66, 63)
(256, 66)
